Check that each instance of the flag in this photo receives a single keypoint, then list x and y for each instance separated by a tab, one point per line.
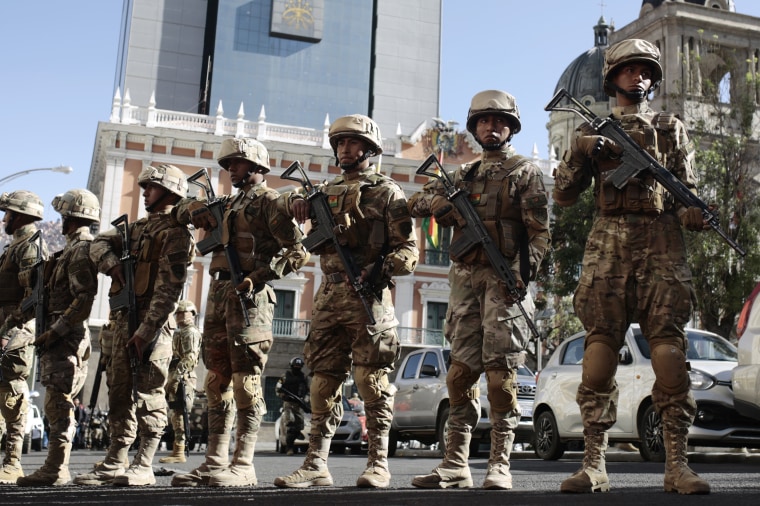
432	233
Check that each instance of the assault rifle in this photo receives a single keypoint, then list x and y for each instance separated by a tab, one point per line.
214	240
635	159
126	299
324	230
38	298
179	404
294	398
475	234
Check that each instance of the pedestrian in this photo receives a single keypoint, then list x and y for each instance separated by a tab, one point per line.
293	389
162	250
267	246
377	232
65	347
22	208
186	347
483	325
634	267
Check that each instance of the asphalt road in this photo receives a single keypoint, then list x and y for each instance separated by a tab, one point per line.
734	478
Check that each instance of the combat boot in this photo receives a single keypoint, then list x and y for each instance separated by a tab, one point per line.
54	472
498	476
240	472
678	476
11	471
140	473
376	475
313	472
217	458
454	471
592	476
177	456
111	467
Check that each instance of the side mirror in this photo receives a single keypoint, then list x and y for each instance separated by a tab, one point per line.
624	356
428	370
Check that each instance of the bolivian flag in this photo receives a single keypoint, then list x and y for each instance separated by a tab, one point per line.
432	232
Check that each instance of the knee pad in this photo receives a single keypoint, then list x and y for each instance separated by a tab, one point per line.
502	389
670	369
246	389
372	383
462	384
217	389
599	365
324	392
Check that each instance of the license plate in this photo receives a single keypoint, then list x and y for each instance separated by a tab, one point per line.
527	411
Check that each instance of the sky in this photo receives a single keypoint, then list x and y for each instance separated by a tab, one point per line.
59	61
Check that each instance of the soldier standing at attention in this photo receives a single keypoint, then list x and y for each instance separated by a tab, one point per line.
268	246
482	323
186	347
378	231
634	267
22	208
293	384
64	348
163	251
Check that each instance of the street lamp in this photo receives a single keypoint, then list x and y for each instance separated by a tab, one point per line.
64	169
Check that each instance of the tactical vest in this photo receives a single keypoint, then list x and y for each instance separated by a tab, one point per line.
11	291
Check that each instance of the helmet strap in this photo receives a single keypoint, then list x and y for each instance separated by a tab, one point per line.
348	167
636	96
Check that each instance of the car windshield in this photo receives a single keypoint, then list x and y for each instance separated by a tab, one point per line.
702	346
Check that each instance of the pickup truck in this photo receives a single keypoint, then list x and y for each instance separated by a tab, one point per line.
421	406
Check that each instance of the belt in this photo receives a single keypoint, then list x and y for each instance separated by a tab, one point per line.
335	277
224	275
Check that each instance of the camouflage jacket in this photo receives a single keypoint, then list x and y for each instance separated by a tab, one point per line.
186	347
17	274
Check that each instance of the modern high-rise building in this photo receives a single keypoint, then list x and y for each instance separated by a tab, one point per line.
299	60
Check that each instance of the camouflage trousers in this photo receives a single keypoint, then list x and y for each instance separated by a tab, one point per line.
13	410
340	336
634	270
292	414
235	355
149	413
63	370
176	417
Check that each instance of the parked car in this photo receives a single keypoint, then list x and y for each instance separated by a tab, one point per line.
35	426
350	434
557	418
746	376
421	407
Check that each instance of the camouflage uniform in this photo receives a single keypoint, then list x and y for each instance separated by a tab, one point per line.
371	209
482	325
16	281
186	345
268	246
71	283
163	251
634	270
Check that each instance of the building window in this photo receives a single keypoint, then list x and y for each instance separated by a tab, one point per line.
284	313
436	316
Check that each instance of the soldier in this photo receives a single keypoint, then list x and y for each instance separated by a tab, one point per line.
268	246
378	232
291	388
64	348
186	347
22	209
482	324
634	267
163	251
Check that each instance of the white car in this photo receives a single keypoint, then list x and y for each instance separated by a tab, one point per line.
557	418
348	435
35	426
746	377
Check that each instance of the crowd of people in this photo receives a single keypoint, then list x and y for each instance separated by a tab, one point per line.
363	232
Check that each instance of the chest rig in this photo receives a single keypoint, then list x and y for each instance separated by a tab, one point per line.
243	217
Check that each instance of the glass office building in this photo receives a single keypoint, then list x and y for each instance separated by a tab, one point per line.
299	59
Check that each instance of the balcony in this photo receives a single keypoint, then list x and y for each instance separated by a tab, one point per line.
438	257
299	329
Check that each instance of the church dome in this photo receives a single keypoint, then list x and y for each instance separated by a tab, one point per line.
583	77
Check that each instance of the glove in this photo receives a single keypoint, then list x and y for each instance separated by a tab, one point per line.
444	211
201	217
692	219
509	298
245	287
598	146
46	340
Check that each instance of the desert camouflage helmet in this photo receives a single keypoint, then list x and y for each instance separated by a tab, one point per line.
493	102
186	305
23	202
246	149
78	204
631	51
356	125
166	176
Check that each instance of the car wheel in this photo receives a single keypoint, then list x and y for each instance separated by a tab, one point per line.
37	444
392	442
652	447
27	444
443	429
548	446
